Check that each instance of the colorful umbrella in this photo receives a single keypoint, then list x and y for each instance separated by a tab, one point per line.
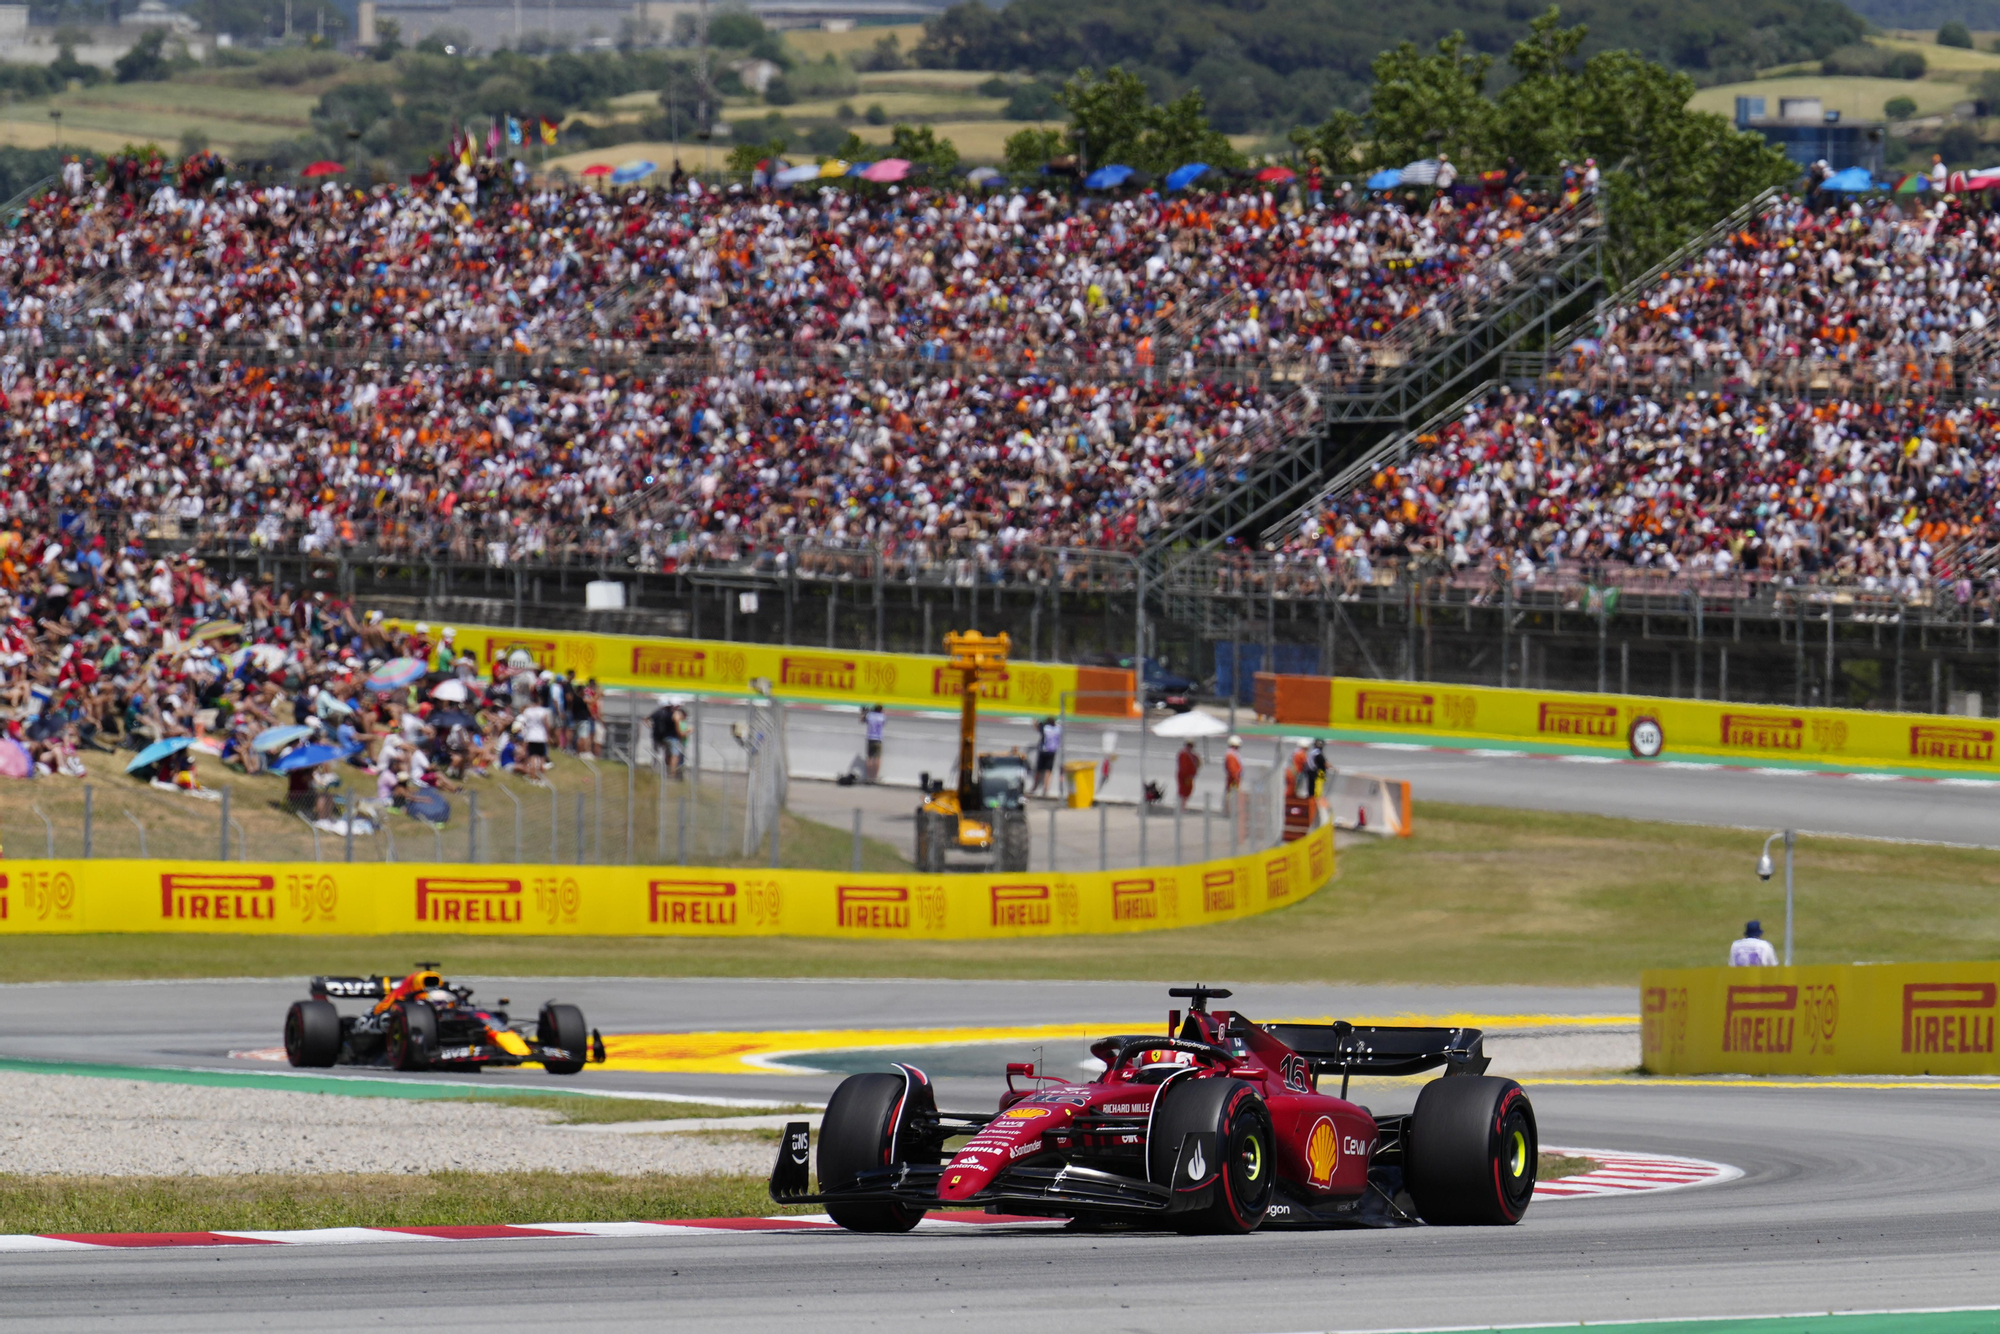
833	166
323	169
1287	174
15	762
1180	178
277	738
597	169
305	757
1107	178
1913	184
1421	172
980	175
632	171
888	169
215	630
158	751
395	674
1386	179
797	175
1852	181
453	690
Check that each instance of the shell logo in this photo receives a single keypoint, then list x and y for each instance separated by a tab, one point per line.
1322	1154
1027	1113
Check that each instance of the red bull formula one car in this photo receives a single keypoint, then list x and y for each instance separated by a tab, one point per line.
1219	1128
426	1023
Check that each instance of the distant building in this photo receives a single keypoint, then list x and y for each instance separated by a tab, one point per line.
153	14
1804	131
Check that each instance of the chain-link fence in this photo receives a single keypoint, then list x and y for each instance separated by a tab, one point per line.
743	771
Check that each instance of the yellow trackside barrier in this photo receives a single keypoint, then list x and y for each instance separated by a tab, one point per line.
905	679
375	899
1645	727
1841	1019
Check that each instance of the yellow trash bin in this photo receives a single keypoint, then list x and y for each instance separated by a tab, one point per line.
1080	781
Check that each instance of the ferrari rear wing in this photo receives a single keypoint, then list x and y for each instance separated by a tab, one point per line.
1372	1049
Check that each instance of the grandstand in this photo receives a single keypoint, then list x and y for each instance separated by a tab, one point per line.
1381	436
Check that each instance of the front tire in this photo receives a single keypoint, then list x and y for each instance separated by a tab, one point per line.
413	1035
563	1026
312	1034
1472	1151
1236	1124
858	1134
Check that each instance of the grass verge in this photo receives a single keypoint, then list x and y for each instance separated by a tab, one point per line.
1555	1165
218	1204
1480	895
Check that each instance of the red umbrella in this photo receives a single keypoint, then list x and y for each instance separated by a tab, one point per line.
1277	174
323	169
597	169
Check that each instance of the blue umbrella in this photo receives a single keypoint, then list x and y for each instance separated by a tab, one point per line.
1386	179
395	674
158	751
305	757
1107	178
632	171
1852	181
277	738
1180	178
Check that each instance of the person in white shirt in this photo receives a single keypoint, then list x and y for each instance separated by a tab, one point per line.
1753	951
533	725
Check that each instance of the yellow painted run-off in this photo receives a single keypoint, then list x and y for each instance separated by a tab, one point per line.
1841	1019
375	899
754	1052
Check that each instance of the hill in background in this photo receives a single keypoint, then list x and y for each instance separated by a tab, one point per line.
1928	14
1261	63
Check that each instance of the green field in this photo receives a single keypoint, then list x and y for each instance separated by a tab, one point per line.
1479	895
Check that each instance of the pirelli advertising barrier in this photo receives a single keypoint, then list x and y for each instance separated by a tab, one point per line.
375	899
905	679
1842	1019
1650	728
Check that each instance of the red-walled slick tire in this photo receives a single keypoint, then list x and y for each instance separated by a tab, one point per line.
855	1136
1471	1151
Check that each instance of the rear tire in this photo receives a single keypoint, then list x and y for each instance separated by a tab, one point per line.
563	1026
312	1034
1472	1151
1236	1121
857	1135
1010	832
413	1035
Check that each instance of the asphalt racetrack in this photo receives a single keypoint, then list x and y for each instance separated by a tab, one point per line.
1856	1194
1852	1198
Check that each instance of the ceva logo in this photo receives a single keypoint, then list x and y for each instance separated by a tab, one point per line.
468	901
218	898
1948	1018
691	902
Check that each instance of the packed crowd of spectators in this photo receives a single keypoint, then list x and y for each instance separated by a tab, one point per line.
1783	404
484	267
110	649
319	368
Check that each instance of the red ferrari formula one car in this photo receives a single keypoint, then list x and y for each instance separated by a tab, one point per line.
1218	1128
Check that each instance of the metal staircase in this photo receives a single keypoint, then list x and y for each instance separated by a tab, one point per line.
1434	368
